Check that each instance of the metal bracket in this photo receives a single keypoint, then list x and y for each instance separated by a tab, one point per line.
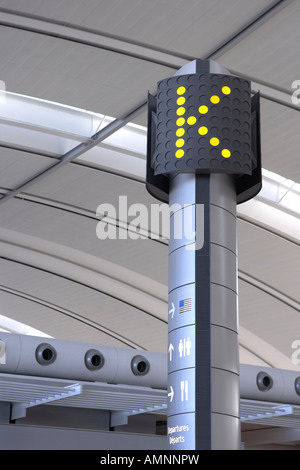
119	418
272	413
19	409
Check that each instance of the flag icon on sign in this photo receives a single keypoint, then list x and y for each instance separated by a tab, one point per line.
185	305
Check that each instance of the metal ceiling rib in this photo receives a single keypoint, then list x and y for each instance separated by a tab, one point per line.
74	315
269	290
83	35
79	34
84	276
79	311
250	28
268	55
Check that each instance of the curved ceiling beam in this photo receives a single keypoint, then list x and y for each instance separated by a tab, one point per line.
70	314
288	237
92	263
131	48
90	38
132	288
264	351
269	290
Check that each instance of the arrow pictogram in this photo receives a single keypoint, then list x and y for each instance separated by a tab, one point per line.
171	393
172	310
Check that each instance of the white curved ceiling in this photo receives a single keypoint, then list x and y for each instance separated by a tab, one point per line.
98	59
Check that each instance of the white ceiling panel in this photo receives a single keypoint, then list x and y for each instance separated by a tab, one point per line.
212	25
280	130
69	229
16	166
268	54
182	26
75	74
87	188
56	9
269	258
50	320
268	318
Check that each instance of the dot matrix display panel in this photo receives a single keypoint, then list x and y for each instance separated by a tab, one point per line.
203	123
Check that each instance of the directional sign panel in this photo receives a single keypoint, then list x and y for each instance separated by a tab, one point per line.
181	432
203	122
181	348
181	392
182	306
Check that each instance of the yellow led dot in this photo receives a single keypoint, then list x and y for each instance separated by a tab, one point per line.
226	90
214	141
180	90
191	120
180	132
203	109
226	153
180	121
181	100
203	130
180	111
215	99
179	142
179	153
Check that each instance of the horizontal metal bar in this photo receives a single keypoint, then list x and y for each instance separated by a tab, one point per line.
272	412
19	409
252	26
120	418
84	36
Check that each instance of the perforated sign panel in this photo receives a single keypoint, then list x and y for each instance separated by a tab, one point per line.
203	122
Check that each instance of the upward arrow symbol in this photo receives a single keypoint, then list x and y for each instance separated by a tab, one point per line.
171	348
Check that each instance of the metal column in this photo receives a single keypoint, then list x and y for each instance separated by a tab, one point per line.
203	372
203	158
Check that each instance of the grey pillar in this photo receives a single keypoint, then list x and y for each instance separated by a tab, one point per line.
203	158
203	371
